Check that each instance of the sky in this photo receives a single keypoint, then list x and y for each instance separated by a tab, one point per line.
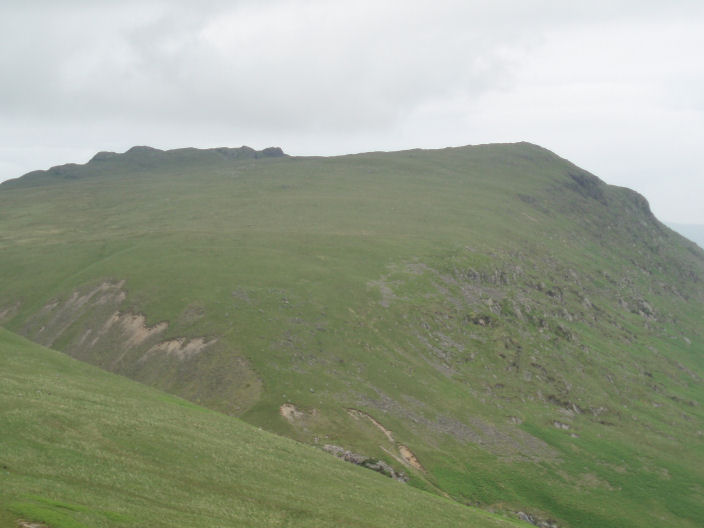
616	86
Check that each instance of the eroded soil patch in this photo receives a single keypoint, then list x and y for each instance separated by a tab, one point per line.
290	412
410	458
8	311
181	348
406	455
29	524
355	413
90	322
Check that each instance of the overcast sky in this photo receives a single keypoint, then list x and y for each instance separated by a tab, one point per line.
615	86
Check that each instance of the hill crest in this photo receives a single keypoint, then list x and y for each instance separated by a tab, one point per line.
139	158
531	334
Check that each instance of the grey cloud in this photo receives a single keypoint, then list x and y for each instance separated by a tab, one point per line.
329	77
306	65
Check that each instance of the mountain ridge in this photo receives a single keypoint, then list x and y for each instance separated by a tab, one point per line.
528	333
138	158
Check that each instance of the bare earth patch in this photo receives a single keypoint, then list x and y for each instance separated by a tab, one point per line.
94	315
410	458
290	413
182	347
28	524
407	456
133	328
301	418
355	413
6	313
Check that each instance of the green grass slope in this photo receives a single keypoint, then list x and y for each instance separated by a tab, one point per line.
495	322
80	447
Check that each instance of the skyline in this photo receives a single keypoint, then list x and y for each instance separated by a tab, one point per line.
614	87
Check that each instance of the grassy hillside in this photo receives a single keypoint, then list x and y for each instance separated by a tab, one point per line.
495	322
85	448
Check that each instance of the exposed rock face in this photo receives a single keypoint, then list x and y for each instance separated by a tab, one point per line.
272	152
365	461
527	517
94	320
141	158
94	324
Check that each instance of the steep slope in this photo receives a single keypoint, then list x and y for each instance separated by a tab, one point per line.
494	321
82	447
693	232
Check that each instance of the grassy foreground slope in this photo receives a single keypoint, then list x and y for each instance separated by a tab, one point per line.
80	447
494	321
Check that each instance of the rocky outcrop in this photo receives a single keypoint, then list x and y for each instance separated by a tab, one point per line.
140	158
536	521
367	462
